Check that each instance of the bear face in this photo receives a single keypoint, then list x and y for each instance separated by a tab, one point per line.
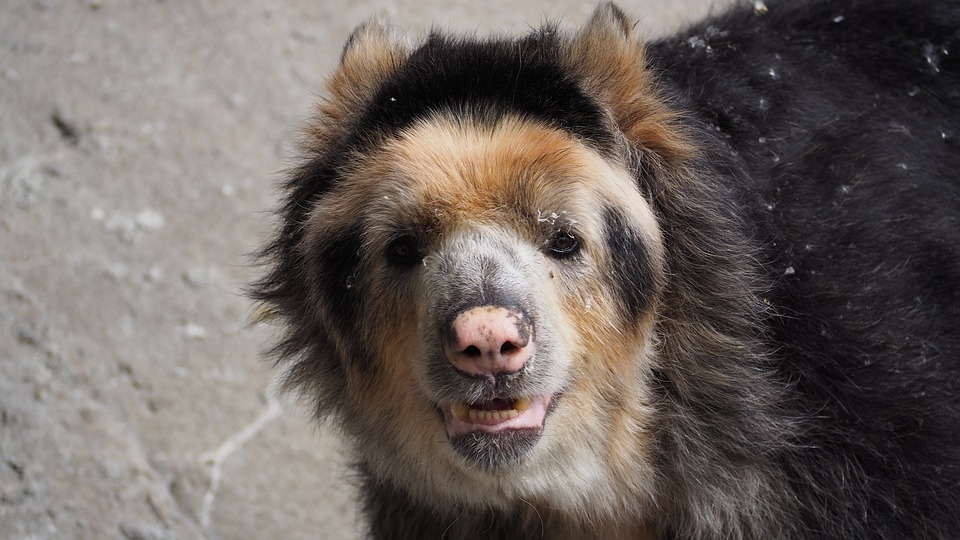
538	227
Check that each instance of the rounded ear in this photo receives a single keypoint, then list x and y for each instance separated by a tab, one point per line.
608	17
373	52
610	59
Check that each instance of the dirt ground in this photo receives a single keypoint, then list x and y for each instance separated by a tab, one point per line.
140	144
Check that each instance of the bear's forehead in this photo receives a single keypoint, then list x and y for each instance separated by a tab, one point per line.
473	166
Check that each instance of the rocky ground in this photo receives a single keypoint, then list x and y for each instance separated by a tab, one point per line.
139	145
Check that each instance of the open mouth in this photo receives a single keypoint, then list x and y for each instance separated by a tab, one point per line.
496	432
491	412
496	415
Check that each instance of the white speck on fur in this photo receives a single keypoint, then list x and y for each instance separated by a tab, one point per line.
931	56
838	18
713	31
551	218
760	8
773	74
789	271
697	42
899	128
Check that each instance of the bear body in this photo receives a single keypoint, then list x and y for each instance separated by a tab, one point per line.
579	286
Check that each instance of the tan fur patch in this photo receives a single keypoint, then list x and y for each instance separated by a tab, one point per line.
375	50
514	171
609	56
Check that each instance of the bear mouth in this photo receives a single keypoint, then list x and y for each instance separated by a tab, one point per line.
496	432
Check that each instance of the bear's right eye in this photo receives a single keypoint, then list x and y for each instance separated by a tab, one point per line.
404	251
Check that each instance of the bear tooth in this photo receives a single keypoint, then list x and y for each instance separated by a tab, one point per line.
521	404
463	411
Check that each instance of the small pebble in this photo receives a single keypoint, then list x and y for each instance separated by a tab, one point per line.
118	270
150	220
194	331
144	531
153	274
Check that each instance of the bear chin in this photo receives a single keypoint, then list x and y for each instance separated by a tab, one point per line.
496	450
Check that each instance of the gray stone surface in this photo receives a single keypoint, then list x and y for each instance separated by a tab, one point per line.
139	145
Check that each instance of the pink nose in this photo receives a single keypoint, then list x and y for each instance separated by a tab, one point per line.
489	340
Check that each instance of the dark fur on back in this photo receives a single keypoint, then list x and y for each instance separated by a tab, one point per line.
838	121
808	327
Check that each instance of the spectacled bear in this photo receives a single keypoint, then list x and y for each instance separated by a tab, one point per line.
574	285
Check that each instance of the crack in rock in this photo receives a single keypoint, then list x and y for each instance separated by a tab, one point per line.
216	458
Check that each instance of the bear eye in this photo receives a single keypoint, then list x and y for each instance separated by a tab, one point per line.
563	245
404	251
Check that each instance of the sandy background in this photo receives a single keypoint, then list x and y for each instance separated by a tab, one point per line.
140	143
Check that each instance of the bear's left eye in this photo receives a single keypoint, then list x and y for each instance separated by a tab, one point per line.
404	251
563	245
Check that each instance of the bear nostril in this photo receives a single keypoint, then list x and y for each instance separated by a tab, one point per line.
472	350
507	347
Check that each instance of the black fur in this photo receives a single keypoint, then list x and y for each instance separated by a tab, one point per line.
630	265
490	79
835	122
335	277
395	517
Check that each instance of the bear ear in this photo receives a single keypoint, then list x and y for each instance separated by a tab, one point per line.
608	18
373	52
610	59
